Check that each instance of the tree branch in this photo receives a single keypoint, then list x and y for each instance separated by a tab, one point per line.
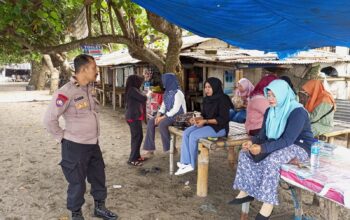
23	42
88	18
100	21
89	40
122	23
174	33
160	24
111	18
147	55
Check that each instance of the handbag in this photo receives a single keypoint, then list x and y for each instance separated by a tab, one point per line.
182	121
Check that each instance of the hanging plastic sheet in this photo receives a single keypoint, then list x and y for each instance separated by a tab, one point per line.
278	26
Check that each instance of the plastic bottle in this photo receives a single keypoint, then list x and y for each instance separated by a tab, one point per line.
315	155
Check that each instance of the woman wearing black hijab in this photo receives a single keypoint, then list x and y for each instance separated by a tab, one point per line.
213	123
135	114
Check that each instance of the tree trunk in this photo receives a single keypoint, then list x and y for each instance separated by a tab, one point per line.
34	78
38	77
54	74
61	63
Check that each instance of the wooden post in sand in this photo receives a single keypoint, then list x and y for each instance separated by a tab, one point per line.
114	93
232	157
203	167
331	210
171	158
103	87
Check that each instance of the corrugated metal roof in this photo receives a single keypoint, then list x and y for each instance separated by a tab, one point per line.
117	58
259	57
231	55
123	56
189	41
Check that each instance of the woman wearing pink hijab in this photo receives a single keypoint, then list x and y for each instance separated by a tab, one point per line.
240	100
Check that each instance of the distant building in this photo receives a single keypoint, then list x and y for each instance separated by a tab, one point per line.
17	72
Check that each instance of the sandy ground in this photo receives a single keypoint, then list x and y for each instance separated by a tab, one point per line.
32	185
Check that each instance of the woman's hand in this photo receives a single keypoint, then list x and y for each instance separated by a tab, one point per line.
246	145
255	149
295	162
200	122
158	119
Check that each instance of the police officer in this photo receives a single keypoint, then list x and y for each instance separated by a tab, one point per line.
81	155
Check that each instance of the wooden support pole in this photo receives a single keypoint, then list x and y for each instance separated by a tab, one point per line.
348	140
232	157
103	88
171	154
331	210
120	96
114	93
203	168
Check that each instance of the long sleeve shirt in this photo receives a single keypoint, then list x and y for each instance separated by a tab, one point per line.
136	101
297	131
256	109
324	125
79	108
179	101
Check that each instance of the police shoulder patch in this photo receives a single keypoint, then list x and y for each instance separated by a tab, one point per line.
61	100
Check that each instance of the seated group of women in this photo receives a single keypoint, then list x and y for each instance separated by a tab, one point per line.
282	130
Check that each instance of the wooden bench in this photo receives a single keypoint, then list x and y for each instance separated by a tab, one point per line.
330	181
236	137
341	122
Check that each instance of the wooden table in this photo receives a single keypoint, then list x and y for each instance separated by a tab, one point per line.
330	181
236	139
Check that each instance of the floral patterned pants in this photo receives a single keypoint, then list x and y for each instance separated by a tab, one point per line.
261	179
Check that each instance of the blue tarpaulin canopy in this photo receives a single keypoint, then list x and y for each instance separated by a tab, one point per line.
278	26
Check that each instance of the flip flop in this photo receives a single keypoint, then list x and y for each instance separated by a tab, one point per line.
135	163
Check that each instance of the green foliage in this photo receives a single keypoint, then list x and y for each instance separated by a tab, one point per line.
27	24
42	23
143	25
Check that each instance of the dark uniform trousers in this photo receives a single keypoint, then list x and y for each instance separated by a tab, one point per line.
81	161
136	139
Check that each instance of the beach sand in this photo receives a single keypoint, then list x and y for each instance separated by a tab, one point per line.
32	185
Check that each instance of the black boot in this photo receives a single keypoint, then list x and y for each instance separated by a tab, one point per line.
102	212
77	215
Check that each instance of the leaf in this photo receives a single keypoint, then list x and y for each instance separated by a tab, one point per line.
54	15
104	4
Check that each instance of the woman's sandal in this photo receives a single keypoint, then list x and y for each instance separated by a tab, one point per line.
135	163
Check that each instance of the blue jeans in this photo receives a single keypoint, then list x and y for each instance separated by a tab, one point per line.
238	116
189	145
